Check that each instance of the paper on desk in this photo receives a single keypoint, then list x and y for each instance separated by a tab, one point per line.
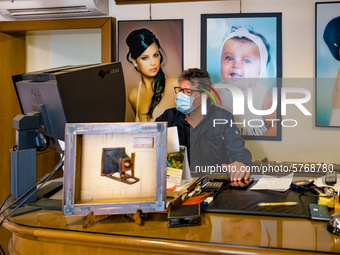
320	182
172	140
185	184
268	182
173	177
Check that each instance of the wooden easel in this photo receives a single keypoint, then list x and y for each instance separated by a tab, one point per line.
91	219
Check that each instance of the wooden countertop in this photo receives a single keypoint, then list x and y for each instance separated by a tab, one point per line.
49	232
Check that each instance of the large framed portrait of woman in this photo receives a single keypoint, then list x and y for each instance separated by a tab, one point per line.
244	51
327	64
151	53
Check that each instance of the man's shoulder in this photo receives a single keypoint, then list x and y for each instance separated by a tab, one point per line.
167	114
220	112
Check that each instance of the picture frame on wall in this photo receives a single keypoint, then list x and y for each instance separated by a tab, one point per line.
327	64
151	54
246	46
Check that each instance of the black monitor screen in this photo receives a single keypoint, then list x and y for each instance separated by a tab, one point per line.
73	94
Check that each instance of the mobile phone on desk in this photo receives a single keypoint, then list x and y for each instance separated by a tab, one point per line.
331	178
319	212
243	184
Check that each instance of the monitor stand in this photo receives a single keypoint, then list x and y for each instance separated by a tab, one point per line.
43	200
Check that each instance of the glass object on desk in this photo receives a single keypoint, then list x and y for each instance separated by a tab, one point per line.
334	224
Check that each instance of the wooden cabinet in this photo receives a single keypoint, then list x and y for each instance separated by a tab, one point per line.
13	62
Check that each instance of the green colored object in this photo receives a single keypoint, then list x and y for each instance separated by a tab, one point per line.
176	159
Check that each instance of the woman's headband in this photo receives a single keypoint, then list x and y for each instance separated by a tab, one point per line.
242	32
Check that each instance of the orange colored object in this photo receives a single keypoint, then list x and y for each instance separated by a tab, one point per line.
196	200
172	188
336	204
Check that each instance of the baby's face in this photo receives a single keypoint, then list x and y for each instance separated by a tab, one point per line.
240	59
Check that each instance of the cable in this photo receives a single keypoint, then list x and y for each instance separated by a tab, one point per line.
218	192
3	252
15	148
4	201
22	196
43	180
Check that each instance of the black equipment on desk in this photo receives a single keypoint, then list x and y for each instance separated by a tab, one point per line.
212	186
72	94
246	202
184	215
51	98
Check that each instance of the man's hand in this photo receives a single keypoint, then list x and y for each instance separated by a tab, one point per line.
237	171
242	183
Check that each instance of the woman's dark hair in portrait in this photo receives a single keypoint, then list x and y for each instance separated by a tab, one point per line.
138	41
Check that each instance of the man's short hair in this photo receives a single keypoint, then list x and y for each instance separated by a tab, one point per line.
195	73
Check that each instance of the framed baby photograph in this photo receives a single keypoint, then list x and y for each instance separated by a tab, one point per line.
151	54
243	55
327	64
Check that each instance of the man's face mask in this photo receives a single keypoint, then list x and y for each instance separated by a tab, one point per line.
184	103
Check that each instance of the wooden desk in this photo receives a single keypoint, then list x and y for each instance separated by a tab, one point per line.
49	232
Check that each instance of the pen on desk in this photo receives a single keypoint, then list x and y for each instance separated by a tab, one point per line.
277	204
204	182
199	180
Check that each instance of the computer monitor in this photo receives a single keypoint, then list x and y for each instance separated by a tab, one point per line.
72	94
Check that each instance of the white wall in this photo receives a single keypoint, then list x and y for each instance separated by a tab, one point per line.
38	54
304	143
75	47
49	49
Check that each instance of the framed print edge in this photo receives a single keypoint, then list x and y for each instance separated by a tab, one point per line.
72	181
278	62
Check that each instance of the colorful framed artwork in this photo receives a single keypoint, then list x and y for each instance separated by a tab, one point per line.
327	65
151	53
245	51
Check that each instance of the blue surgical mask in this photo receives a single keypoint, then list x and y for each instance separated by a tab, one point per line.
184	103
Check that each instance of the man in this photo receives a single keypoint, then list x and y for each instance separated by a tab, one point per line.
210	146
